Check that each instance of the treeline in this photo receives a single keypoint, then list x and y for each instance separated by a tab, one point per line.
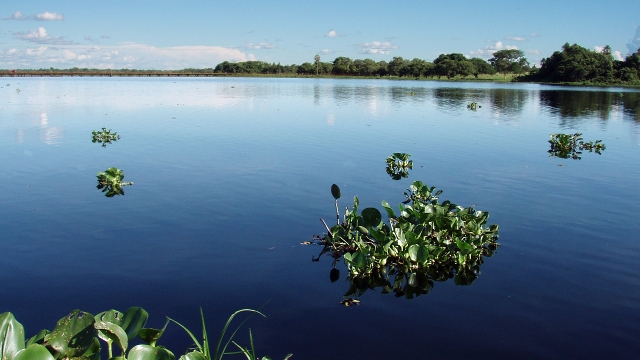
446	65
575	64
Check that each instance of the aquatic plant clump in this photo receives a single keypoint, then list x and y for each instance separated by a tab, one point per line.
104	137
110	181
473	106
78	335
427	241
398	165
567	146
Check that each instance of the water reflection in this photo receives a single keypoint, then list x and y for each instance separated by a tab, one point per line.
572	105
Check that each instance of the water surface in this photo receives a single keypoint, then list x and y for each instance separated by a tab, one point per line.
232	174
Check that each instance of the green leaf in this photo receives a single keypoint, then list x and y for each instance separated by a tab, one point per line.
371	217
413	252
73	334
194	355
33	352
134	319
357	259
335	191
150	335
38	338
390	212
111	332
147	352
11	336
112	316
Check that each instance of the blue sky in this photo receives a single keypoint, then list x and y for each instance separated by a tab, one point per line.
196	33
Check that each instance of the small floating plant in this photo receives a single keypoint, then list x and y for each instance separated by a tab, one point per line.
473	106
570	146
110	181
104	137
398	165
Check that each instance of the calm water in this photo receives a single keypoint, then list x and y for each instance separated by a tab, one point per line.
232	174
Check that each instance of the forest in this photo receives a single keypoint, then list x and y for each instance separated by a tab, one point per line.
573	64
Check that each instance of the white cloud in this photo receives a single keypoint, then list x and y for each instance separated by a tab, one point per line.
16	16
533	52
105	37
534	35
138	56
332	33
258	46
326	51
376	47
598	48
488	50
617	55
40	36
634	44
45	16
516	38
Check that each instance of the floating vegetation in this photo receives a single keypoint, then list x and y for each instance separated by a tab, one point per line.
567	146
78	335
110	181
104	137
411	93
398	165
427	241
473	106
18	90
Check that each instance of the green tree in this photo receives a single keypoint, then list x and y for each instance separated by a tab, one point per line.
317	60
482	67
509	61
342	66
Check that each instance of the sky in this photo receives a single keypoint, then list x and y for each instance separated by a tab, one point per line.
200	34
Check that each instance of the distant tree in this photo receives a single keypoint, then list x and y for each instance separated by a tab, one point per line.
418	68
482	67
576	64
398	66
509	61
452	65
317	60
342	66
308	69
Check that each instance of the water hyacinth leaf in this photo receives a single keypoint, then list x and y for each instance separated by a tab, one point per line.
335	191
390	212
112	316
93	353
33	352
371	217
134	319
11	336
111	332
150	335
194	355
363	230
147	352
38	338
73	334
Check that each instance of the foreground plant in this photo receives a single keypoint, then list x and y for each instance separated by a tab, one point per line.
567	146
110	181
78	335
398	165
104	137
427	241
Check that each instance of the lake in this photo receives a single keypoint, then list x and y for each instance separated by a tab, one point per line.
232	174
